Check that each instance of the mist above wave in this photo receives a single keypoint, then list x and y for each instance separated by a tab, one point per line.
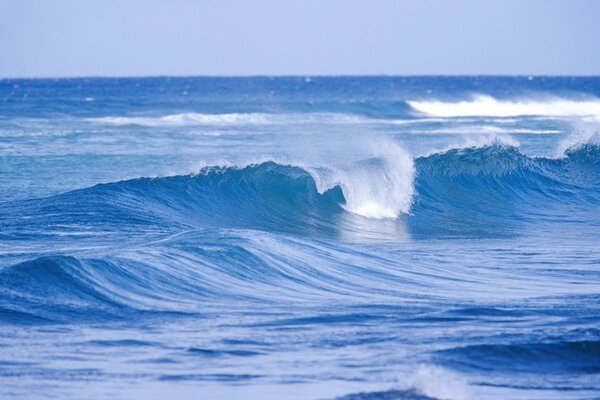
378	187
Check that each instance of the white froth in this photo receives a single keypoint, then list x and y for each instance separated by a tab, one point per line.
488	129
194	119
439	383
374	210
186	119
581	134
483	105
379	187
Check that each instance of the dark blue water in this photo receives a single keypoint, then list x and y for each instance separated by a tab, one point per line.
310	238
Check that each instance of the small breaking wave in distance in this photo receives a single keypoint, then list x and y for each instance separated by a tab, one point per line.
484	105
227	119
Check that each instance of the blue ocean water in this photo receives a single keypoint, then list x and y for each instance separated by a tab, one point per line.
300	238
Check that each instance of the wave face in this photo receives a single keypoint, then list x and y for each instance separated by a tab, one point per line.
300	238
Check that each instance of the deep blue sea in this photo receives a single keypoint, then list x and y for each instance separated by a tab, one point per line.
300	238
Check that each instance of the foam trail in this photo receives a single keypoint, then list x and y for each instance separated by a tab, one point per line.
185	119
379	187
487	129
483	105
196	119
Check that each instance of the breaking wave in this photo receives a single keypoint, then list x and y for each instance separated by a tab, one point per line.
484	105
228	119
438	191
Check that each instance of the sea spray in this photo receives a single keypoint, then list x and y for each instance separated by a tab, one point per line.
378	187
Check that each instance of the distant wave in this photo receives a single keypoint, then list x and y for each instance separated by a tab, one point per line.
483	105
192	118
487	130
429	110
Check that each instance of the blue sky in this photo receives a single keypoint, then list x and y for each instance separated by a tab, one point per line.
309	37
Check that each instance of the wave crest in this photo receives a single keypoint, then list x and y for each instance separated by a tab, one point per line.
380	187
484	105
227	119
458	190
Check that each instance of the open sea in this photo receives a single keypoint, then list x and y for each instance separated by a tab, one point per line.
352	238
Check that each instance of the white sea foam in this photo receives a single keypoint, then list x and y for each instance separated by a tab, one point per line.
483	105
379	187
198	119
434	382
487	129
185	119
439	383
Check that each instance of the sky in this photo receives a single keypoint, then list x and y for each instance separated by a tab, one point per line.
61	38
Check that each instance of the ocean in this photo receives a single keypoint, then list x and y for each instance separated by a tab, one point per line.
300	238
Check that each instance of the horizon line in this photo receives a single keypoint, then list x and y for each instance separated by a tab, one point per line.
184	76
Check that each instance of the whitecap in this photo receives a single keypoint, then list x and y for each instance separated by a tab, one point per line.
484	105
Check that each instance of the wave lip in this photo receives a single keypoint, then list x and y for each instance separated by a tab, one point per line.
484	105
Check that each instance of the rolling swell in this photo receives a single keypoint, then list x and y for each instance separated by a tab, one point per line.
195	239
455	191
566	356
189	273
470	190
266	196
46	287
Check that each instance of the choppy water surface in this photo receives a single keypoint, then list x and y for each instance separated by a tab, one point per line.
310	238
